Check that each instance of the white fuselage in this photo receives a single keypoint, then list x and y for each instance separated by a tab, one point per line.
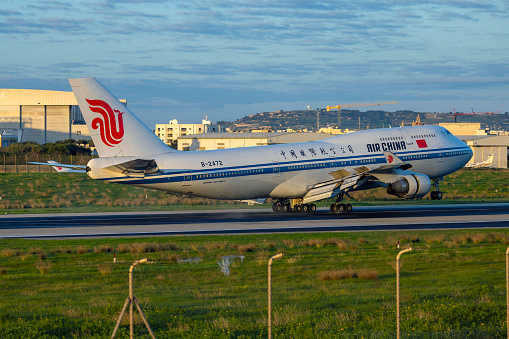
291	170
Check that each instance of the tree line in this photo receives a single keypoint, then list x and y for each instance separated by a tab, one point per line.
63	147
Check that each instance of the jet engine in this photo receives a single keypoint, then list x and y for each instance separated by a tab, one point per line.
410	186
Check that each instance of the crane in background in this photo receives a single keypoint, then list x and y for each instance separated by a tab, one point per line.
473	113
339	107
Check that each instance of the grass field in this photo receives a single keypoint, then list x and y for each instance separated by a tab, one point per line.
52	192
327	285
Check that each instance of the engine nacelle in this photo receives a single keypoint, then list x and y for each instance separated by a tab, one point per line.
410	186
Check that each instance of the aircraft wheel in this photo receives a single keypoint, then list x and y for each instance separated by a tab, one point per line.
348	208
277	207
305	208
297	208
285	208
312	208
334	208
438	195
341	208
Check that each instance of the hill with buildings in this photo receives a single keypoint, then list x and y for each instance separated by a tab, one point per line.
353	119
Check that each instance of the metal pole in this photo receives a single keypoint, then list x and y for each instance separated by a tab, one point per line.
131	300
131	306
127	301
270	292
397	291
507	286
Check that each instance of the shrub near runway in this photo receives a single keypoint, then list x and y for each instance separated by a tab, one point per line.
453	286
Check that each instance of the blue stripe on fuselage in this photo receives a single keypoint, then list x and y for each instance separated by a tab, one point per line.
169	176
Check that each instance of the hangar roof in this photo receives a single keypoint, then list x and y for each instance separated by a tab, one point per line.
36	97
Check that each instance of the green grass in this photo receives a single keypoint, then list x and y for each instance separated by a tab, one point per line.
453	286
50	193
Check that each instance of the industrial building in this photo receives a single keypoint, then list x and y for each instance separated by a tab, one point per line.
483	142
210	141
40	116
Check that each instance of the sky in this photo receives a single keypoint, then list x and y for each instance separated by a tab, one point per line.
228	59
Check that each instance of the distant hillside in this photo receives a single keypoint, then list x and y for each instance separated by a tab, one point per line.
353	119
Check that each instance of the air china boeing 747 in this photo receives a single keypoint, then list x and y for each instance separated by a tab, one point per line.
407	161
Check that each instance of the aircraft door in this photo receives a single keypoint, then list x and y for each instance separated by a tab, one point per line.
275	166
406	136
333	164
188	178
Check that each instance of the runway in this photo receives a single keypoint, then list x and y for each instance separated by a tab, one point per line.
238	221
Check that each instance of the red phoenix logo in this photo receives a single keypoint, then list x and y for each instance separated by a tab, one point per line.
110	123
390	158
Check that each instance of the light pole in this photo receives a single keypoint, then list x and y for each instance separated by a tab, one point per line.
270	292
397	291
507	286
130	301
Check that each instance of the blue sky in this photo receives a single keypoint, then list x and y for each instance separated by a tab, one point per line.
228	59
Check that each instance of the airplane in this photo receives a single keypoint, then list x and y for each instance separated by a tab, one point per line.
483	164
403	160
62	168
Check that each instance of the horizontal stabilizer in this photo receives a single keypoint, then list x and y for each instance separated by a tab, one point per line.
136	168
62	167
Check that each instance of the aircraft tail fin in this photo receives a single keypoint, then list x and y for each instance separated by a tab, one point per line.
115	130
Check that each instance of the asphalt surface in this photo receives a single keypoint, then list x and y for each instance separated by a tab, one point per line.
237	221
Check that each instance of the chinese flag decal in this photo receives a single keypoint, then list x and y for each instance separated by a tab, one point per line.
421	143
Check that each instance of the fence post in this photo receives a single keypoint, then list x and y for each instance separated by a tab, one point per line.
15	163
26	162
270	292
398	320
507	286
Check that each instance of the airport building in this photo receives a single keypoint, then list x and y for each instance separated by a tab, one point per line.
173	130
40	116
211	141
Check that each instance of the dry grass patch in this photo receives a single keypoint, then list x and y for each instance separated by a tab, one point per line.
269	244
289	243
103	248
369	273
3	271
338	274
262	257
43	266
479	238
81	249
9	252
215	245
105	269
246	248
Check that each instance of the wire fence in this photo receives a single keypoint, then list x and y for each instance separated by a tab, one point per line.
13	163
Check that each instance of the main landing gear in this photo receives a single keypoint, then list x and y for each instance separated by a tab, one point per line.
436	194
339	208
284	206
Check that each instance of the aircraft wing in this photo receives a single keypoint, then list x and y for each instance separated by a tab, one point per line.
351	178
62	168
